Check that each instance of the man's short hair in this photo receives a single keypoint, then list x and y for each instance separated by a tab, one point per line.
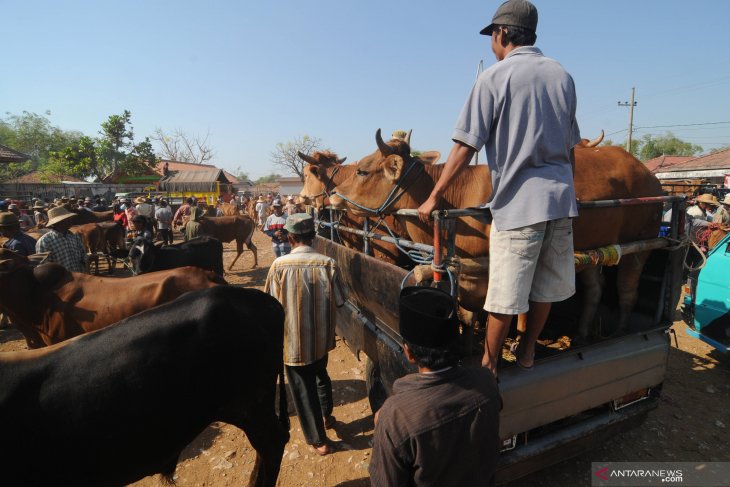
305	237
434	358
519	36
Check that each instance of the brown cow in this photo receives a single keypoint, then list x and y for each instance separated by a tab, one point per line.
601	174
48	304
228	209
227	228
104	237
321	176
88	216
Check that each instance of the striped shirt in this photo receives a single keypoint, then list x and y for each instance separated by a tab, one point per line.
66	249
308	286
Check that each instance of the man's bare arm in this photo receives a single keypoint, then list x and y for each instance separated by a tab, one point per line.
459	158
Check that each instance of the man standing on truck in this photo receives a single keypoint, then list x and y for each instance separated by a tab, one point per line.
308	286
522	109
441	426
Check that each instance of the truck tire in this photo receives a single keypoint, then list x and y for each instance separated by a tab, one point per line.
374	384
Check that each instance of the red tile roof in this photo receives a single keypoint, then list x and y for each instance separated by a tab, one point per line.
662	163
716	160
35	177
191	166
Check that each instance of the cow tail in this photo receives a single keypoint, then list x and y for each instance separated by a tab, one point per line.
283	406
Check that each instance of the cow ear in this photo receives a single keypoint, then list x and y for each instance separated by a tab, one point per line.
393	167
429	157
49	275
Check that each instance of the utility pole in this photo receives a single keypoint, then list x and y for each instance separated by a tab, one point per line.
631	106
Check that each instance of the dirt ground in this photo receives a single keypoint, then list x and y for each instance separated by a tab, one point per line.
691	423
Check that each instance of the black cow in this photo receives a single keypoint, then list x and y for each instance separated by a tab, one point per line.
205	252
116	405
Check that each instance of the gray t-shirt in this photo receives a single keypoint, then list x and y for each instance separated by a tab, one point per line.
523	110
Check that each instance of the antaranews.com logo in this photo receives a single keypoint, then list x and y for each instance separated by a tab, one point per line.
637	474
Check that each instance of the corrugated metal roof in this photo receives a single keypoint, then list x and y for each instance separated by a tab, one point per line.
193	181
190	166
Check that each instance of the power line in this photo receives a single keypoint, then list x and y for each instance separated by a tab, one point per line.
681	125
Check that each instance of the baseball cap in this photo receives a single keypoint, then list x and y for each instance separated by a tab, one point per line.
299	224
519	13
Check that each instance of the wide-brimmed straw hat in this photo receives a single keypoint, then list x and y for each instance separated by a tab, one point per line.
261	199
58	214
39	206
707	198
139	200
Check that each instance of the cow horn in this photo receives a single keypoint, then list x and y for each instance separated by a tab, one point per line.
407	139
308	159
596	141
341	160
385	149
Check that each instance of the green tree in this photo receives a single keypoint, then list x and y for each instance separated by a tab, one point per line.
668	145
114	151
79	159
271	178
35	135
720	149
241	175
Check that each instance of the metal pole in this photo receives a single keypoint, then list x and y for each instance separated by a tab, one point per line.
631	106
436	249
365	240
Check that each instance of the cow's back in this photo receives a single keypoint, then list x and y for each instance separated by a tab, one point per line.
110	407
607	173
228	228
86	303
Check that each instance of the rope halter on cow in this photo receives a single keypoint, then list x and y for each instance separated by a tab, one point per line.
399	189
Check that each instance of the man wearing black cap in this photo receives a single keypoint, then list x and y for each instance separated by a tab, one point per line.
441	426
522	110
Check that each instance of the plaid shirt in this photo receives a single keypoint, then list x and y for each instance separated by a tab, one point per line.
66	249
308	286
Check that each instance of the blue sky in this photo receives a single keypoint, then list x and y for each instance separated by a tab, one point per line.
257	73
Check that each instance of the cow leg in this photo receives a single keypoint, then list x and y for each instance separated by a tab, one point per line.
592	281
627	281
257	418
239	250
253	249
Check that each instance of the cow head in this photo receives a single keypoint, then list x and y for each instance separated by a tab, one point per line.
317	176
377	175
141	253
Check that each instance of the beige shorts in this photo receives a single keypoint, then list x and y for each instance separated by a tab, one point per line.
532	263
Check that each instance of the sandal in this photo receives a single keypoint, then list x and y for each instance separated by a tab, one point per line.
515	350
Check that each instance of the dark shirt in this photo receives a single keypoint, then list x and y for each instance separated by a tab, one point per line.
438	430
21	243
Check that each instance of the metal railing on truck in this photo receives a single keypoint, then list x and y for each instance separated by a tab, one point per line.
432	254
